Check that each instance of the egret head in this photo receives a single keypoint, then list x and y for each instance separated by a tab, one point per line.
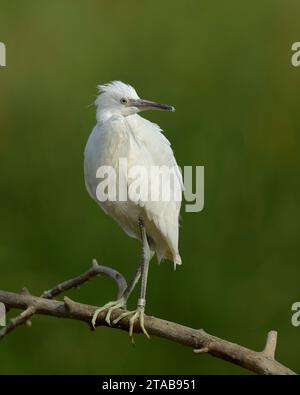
121	99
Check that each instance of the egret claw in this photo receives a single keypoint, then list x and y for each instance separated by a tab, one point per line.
110	306
136	314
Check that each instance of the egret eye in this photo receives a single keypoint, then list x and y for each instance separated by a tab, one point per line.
124	100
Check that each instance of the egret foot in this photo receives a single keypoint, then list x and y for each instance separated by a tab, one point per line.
139	314
110	307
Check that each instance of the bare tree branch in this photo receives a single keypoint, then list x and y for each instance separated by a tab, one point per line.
259	362
95	270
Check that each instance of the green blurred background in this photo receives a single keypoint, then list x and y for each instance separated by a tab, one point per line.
226	68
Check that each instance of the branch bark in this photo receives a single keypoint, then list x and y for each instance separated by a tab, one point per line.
262	362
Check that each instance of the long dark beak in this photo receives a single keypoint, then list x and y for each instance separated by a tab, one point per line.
150	105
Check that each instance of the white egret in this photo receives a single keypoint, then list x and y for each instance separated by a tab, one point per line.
121	133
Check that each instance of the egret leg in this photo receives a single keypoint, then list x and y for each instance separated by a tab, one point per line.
120	303
139	313
133	282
